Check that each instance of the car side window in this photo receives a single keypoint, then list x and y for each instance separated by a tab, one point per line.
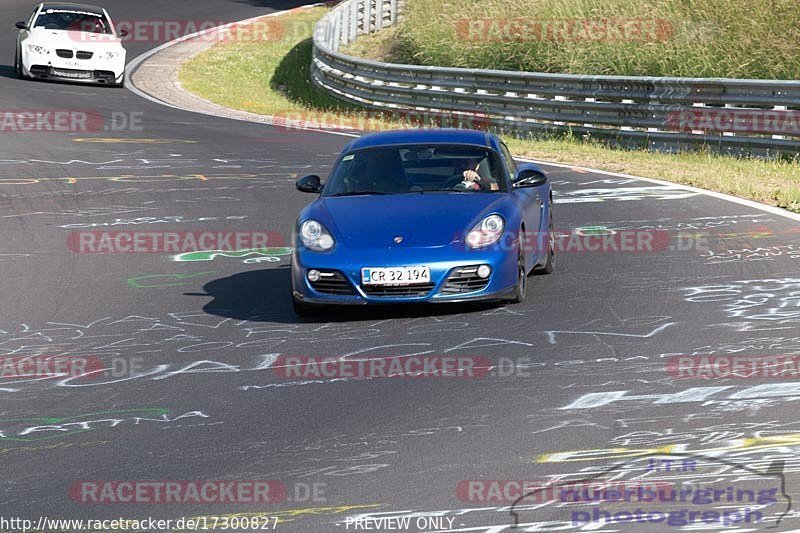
509	161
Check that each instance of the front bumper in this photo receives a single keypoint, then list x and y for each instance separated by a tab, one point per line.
450	268
97	71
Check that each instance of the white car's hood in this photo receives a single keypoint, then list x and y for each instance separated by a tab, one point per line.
78	40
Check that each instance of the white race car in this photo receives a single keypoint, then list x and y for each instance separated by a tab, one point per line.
72	42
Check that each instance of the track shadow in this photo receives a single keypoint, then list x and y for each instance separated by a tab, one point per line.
292	78
7	71
264	296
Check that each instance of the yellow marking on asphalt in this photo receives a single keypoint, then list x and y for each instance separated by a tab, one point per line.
109	140
20	181
740	444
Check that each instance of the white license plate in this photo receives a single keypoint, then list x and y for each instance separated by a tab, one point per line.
72	74
395	275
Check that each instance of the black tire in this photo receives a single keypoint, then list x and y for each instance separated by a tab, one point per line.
521	290
303	309
550	263
18	64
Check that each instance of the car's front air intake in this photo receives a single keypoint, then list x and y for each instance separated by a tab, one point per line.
464	279
332	282
422	289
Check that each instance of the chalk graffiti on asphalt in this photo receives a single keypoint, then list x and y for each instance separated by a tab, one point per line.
753	305
268	255
152	281
47	428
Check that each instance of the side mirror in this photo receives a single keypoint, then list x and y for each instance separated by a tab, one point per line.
22	25
529	175
310	183
123	33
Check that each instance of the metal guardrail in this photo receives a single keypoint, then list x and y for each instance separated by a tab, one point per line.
726	115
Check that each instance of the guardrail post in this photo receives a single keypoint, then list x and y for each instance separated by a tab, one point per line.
353	21
367	29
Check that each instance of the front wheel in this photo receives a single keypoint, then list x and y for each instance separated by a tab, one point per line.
521	289
550	262
303	309
18	64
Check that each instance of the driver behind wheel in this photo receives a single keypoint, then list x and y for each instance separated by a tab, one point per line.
475	178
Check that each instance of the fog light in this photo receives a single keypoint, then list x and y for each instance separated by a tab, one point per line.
484	271
313	275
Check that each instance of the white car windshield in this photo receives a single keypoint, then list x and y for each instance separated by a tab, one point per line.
53	19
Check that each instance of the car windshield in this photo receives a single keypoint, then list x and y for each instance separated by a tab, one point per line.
417	169
57	19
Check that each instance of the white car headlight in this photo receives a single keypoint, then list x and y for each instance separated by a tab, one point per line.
37	49
111	54
487	231
315	236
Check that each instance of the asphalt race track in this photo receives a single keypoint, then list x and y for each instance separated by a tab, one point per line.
582	365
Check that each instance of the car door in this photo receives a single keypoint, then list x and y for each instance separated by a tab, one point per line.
529	198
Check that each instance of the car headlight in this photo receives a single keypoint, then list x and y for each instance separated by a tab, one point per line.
37	49
315	236
487	231
111	54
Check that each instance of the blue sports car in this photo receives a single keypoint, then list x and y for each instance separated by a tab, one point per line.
422	216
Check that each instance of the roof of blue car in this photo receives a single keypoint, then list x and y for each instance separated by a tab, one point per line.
421	136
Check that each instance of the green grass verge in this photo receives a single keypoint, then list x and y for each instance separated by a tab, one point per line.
693	38
272	77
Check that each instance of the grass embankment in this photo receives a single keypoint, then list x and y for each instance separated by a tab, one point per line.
692	38
272	77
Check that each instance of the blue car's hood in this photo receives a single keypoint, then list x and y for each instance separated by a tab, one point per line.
432	219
